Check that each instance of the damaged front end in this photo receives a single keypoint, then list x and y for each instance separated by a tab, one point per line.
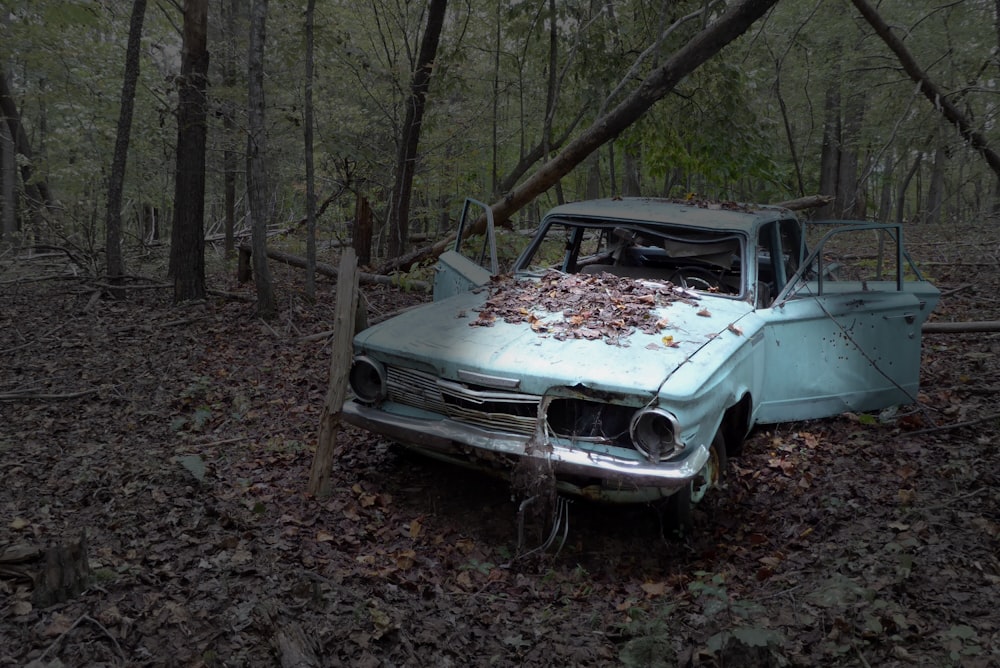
597	445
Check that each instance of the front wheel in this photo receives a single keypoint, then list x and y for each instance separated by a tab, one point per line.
677	511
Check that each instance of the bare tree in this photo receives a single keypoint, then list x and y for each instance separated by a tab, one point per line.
256	152
187	239
399	207
113	226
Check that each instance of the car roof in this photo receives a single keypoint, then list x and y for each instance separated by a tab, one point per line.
694	213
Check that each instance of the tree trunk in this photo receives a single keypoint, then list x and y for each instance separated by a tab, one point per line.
951	113
8	184
901	193
789	136
399	208
116	181
935	192
829	161
361	234
631	172
256	153
35	189
310	169
885	196
230	157
850	199
187	239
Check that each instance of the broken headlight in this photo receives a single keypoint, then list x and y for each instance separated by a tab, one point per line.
367	379
655	433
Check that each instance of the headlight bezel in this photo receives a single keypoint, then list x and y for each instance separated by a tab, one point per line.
372	387
655	433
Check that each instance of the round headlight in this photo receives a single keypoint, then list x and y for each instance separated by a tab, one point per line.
654	434
367	379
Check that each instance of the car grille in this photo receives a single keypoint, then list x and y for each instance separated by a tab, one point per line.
504	411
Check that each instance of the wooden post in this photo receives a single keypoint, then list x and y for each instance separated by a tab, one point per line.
340	367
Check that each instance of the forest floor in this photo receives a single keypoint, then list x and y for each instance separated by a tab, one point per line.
179	439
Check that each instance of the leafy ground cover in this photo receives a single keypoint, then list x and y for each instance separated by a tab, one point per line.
179	439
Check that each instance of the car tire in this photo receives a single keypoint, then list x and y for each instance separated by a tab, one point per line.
678	509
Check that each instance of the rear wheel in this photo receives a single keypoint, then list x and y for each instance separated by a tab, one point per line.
677	512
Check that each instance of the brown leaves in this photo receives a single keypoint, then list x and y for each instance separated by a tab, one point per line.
591	306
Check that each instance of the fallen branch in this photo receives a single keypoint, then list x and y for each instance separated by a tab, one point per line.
29	396
153	286
956	425
949	293
808	202
47	277
961	327
330	270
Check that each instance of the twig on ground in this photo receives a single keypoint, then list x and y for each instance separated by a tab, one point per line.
79	620
956	425
39	396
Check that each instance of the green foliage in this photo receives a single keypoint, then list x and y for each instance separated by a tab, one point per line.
743	126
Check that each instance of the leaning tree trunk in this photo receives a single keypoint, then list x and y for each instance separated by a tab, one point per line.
940	101
187	240
116	181
256	174
399	212
654	87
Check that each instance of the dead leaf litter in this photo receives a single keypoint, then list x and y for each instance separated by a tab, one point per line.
591	306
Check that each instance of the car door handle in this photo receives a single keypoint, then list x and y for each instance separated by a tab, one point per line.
908	317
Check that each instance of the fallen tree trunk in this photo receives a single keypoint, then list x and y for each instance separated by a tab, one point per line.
325	269
808	202
961	327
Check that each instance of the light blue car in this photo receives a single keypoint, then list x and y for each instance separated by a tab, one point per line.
635	343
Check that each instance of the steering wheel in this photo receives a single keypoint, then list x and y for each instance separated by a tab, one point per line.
697	278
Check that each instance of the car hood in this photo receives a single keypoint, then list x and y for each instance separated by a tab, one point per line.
438	338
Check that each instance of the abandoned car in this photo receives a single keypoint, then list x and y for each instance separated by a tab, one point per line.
635	342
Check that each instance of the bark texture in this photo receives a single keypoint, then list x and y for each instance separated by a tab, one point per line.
187	240
399	214
256	171
116	182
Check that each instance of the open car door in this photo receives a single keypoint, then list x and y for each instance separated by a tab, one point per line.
844	334
469	264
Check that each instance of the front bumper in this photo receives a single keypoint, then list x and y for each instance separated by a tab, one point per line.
452	439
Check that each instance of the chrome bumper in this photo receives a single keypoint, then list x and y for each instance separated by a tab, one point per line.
448	437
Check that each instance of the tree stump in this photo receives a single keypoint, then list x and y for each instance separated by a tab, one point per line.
58	572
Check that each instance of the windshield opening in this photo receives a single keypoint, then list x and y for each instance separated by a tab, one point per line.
698	259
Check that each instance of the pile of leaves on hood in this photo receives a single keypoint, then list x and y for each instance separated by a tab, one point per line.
592	306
